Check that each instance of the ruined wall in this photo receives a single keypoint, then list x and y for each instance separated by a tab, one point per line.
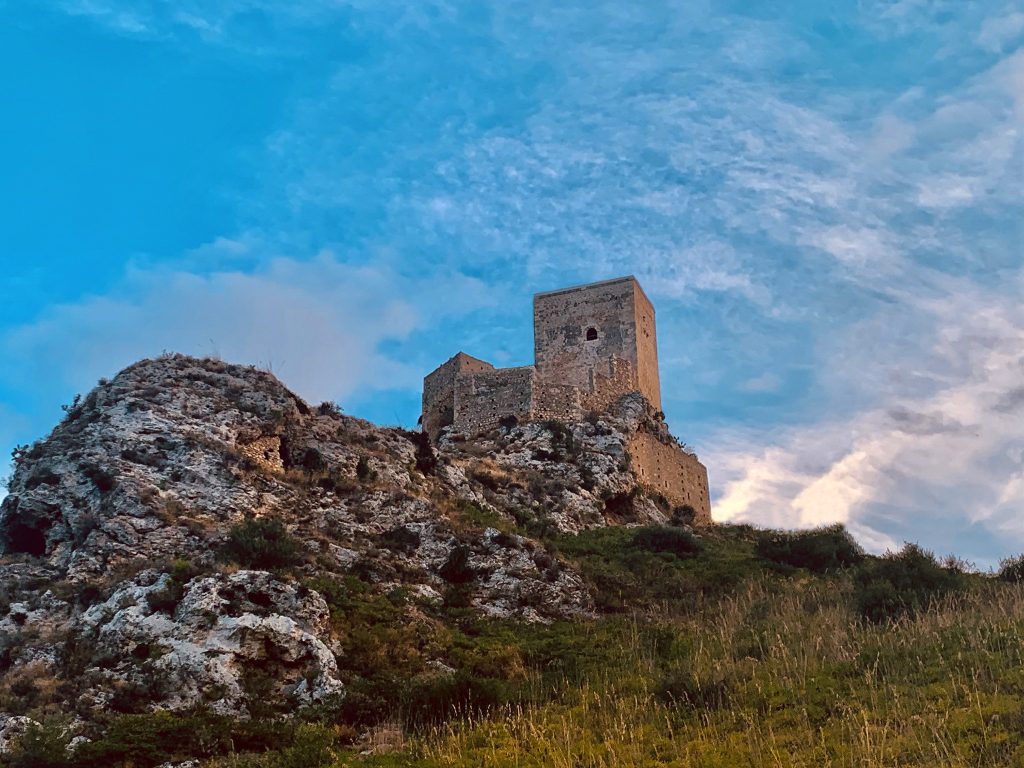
670	471
483	399
561	322
556	401
647	347
264	452
439	391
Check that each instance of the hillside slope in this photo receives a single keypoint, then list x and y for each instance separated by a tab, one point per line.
198	567
163	542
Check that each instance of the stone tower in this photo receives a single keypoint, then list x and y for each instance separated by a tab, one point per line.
580	332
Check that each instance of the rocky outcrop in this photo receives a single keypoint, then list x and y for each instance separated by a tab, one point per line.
117	583
202	648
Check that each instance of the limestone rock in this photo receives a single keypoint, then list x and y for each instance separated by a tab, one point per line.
13	728
204	649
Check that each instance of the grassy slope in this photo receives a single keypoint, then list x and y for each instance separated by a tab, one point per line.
738	661
722	657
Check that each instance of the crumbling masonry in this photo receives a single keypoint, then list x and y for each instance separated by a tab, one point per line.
592	345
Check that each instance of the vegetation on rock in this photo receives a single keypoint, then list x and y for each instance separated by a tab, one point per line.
261	584
710	654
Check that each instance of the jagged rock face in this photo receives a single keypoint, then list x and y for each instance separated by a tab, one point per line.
157	465
569	477
200	651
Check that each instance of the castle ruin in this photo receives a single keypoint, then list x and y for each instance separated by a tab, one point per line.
592	344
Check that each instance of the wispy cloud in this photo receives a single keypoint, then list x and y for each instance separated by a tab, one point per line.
824	202
319	324
938	455
252	26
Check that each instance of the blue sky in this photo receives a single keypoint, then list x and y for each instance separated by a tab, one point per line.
822	199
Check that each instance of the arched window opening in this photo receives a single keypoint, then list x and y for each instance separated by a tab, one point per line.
591	334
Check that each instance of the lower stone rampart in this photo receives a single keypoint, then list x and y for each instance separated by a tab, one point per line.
485	400
667	469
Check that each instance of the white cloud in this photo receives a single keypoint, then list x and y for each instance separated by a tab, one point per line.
942	456
854	247
766	382
319	325
112	14
997	32
249	26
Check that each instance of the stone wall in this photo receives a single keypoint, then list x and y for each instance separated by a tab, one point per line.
439	391
648	380
608	383
667	469
482	400
556	401
264	452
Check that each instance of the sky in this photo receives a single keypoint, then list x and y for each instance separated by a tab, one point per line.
823	200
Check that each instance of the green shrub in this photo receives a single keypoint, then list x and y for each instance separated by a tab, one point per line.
312	461
818	550
363	471
562	440
902	583
400	539
486	479
481	518
1012	569
328	408
101	477
437	699
336	483
680	686
624	575
457	569
426	458
684	515
147	740
41	746
673	540
313	747
262	543
166	600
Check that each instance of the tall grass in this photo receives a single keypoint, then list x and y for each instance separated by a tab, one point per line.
776	676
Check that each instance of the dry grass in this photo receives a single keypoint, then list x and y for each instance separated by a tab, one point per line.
769	678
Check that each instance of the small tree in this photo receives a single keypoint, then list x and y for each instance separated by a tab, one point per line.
262	543
457	569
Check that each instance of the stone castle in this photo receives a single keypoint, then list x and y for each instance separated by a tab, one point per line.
592	344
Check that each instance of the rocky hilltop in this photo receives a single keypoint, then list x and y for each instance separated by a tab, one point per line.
181	528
